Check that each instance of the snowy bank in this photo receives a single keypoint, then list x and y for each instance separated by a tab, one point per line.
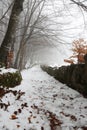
40	101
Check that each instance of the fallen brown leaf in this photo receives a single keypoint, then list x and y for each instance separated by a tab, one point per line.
13	117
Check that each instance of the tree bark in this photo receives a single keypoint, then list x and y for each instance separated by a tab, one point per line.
8	43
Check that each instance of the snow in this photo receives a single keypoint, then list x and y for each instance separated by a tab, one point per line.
43	96
3	70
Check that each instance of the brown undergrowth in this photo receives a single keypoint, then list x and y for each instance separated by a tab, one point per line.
79	48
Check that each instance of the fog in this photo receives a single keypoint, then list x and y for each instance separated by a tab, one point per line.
73	27
68	22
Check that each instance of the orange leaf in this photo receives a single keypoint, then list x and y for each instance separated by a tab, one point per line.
69	61
13	117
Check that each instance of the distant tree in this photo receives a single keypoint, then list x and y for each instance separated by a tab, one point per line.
36	27
28	23
31	26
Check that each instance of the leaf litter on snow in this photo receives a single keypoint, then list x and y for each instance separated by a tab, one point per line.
42	103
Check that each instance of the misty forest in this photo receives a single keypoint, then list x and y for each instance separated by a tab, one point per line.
43	65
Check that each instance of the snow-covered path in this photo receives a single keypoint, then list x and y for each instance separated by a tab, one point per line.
46	105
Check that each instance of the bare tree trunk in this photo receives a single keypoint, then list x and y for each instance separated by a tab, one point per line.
21	61
9	36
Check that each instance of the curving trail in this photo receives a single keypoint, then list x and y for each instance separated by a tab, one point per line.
42	103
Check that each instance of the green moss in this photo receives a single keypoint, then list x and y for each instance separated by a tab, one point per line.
10	80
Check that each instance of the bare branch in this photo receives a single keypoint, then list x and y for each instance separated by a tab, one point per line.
80	4
6	11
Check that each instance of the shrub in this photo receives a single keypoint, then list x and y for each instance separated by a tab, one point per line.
10	80
2	65
79	50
